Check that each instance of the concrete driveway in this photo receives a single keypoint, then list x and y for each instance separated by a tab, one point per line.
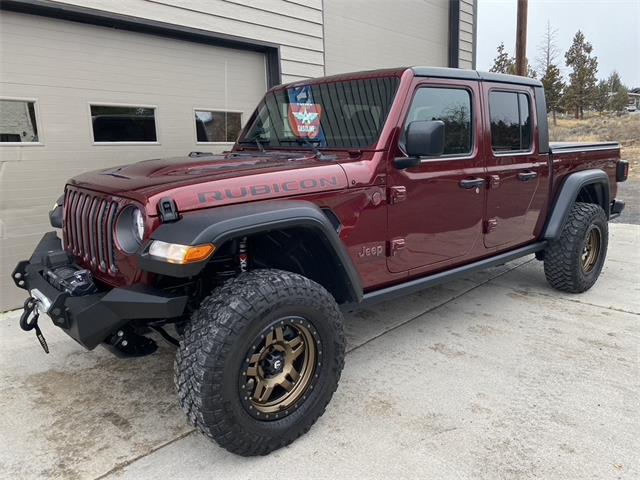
493	376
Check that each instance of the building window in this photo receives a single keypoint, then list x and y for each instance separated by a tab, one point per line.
112	124
511	128
18	123
453	107
217	126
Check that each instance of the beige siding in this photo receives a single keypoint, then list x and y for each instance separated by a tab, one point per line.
67	65
366	34
295	25
466	33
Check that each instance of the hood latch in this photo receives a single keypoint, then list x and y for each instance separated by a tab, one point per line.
168	210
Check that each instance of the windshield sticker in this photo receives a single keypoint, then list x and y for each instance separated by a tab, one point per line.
305	119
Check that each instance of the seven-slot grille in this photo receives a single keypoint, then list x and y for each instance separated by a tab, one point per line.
88	228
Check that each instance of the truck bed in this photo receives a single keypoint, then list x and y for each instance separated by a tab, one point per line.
568	147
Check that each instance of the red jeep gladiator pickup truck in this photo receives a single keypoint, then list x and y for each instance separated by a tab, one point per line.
340	191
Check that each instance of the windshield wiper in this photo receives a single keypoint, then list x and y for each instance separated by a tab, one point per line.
316	151
255	140
259	144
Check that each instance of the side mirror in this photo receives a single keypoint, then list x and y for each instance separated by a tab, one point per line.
425	138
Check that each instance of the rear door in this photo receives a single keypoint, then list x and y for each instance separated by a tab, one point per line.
435	211
515	169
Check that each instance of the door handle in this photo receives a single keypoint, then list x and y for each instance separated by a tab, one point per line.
526	176
470	183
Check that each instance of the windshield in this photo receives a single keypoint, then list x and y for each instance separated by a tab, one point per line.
348	114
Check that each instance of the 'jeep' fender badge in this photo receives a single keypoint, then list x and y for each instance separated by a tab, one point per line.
305	119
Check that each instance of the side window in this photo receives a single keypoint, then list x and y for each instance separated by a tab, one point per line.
18	123
453	107
511	128
217	126
113	123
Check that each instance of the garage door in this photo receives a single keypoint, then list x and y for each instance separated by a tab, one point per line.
76	97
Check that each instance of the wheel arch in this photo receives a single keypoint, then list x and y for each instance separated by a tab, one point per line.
323	259
588	186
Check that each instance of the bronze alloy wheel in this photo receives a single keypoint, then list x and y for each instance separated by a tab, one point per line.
591	249
280	368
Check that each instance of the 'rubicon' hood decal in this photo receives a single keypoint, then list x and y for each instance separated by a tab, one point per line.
264	186
262	189
217	179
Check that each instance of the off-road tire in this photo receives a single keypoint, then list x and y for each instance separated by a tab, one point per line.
563	258
214	346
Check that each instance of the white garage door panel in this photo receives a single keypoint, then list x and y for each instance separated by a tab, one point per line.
67	65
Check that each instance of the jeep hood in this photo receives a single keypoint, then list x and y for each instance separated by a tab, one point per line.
216	179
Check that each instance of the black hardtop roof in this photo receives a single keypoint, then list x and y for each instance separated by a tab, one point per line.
436	72
441	72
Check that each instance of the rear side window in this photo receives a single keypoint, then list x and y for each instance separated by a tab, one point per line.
123	123
511	128
453	107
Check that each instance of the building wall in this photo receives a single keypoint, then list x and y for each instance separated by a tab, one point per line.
296	25
365	34
322	37
467	34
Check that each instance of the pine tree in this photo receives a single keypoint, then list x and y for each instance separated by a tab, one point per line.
582	80
601	100
619	94
503	63
553	87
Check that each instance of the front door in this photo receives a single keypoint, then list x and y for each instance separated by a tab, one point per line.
435	209
515	170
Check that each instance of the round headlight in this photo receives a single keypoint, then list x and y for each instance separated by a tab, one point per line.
130	229
138	224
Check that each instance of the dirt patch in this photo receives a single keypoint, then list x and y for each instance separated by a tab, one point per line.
624	129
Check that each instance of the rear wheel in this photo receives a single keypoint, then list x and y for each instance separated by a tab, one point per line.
573	262
260	360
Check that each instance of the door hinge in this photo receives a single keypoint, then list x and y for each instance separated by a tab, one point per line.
490	225
395	245
397	194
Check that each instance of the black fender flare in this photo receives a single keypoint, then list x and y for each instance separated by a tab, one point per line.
220	224
569	193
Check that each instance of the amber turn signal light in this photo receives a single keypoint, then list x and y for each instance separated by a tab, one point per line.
182	254
198	253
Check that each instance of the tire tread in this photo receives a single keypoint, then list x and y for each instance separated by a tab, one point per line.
210	335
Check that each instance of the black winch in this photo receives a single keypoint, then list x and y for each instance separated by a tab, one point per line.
62	275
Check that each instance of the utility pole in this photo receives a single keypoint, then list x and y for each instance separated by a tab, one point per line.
521	39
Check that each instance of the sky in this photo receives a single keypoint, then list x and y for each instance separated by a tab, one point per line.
611	26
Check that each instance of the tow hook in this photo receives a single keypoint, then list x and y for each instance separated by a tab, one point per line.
29	321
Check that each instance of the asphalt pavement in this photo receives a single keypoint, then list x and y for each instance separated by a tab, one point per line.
629	192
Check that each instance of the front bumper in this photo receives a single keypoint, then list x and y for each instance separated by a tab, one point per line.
90	319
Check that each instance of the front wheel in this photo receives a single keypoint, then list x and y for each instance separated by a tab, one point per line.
573	262
260	360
